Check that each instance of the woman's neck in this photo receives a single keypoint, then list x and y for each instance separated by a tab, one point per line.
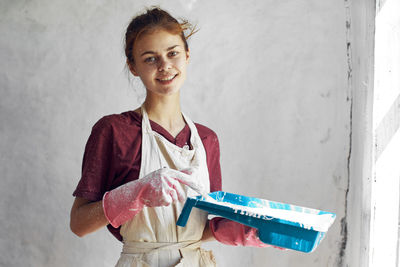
166	111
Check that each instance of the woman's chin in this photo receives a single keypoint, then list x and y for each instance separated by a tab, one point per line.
166	91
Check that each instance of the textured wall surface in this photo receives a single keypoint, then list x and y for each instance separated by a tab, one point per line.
270	77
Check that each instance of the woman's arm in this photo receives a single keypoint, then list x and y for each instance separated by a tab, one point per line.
86	216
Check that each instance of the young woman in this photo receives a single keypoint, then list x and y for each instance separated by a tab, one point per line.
139	166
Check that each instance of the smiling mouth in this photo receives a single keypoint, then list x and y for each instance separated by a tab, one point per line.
167	79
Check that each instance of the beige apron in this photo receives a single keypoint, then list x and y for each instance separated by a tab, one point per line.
152	237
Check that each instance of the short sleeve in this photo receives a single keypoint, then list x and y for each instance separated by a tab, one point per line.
97	165
213	161
211	145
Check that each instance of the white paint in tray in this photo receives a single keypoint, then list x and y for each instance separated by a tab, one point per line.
308	218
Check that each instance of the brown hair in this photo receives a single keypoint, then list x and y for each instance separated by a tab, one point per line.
153	19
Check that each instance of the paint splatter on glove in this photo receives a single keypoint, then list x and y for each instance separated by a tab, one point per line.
159	188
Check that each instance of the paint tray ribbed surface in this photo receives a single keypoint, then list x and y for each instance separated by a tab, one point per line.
279	224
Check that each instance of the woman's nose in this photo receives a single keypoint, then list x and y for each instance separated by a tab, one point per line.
164	64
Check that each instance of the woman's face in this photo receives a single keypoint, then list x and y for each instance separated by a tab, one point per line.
160	62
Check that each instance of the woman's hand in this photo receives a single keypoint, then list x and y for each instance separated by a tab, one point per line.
235	234
86	216
159	188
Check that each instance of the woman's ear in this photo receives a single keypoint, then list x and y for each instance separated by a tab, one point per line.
187	55
132	68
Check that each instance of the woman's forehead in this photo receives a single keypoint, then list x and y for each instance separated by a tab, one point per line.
159	40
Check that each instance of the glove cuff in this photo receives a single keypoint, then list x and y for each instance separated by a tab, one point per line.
117	210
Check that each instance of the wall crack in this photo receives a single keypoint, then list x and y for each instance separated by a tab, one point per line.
343	221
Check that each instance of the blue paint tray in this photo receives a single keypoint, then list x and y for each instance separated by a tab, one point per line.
279	224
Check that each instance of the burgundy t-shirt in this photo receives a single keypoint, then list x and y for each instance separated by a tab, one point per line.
113	155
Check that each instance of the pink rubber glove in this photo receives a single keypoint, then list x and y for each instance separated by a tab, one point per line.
158	188
235	234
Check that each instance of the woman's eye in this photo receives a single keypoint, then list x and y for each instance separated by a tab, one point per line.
173	53
150	60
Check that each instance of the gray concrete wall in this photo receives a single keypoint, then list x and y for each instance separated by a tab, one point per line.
270	77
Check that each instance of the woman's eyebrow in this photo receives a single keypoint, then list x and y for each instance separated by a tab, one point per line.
151	52
172	47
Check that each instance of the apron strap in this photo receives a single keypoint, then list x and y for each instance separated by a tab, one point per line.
145	120
152	247
149	140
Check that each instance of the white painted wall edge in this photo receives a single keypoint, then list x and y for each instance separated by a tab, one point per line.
356	226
